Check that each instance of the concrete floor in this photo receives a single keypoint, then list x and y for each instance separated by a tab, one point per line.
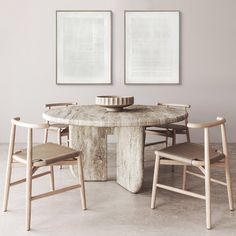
114	211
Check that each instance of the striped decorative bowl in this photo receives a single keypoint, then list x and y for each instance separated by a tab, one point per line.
114	103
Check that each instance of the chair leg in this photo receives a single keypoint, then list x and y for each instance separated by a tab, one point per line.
7	183
173	143
185	167
208	197
188	135
166	141
82	189
172	168
28	196
59	140
155	179
52	178
229	185
184	177
46	136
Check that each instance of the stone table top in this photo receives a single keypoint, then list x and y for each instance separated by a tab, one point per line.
135	115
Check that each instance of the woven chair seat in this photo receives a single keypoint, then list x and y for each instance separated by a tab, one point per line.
189	153
46	154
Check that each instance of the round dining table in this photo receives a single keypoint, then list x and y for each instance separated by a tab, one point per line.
89	126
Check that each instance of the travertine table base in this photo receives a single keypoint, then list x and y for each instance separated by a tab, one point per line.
92	141
129	154
89	127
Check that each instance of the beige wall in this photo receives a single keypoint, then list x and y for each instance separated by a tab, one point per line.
208	59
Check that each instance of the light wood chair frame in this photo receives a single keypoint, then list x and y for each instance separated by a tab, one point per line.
30	171
203	166
169	132
59	132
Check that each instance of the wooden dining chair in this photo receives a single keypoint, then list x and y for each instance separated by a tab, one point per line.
34	157
62	130
201	156
170	130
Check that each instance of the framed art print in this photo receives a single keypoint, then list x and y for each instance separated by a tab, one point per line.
83	52
152	47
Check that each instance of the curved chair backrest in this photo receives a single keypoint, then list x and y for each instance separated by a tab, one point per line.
220	121
181	106
62	104
57	105
16	122
184	107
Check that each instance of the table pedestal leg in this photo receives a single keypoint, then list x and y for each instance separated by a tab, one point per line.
130	157
92	141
